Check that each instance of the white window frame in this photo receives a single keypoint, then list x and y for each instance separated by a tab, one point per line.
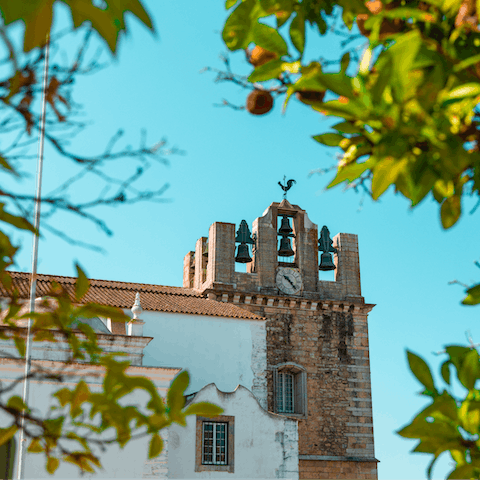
214	449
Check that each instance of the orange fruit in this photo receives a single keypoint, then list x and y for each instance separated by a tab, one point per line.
259	56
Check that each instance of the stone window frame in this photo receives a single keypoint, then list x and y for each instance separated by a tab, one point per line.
230	466
300	388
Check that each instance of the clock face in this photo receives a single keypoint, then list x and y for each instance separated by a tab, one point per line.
289	280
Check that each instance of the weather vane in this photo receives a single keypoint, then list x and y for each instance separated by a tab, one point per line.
286	186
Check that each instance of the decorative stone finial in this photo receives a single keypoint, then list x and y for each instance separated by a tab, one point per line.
137	308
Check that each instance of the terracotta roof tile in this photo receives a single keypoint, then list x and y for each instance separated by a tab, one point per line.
156	298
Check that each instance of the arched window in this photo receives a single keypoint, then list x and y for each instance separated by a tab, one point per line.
290	389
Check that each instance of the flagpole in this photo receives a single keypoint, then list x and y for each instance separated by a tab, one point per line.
33	281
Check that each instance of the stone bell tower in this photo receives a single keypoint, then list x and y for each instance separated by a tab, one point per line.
317	332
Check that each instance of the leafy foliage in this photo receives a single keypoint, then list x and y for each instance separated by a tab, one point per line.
449	424
410	117
81	417
37	16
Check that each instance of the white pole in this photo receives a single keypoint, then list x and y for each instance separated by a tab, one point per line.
33	282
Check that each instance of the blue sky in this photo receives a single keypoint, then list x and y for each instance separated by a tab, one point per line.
229	172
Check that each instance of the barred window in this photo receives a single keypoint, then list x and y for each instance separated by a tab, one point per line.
214	443
285	398
289	381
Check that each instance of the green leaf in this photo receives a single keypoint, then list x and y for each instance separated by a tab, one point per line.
230	3
17	222
16	403
175	398
35	446
204	409
267	71
52	464
469	415
53	426
470	370
156	446
344	63
37	27
329	139
420	369
297	32
457	353
385	173
473	297
436	430
385	73
268	38
466	63
82	284
403	54
20	344
353	110
450	211
347	127
80	395
464	471
7	433
338	83
445	371
94	310
466	90
236	31
350	172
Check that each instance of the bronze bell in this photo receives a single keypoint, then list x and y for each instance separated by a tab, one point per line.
326	262
243	256
285	228
285	249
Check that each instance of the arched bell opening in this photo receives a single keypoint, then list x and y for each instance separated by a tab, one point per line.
286	242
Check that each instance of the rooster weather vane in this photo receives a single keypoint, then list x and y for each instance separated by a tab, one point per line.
286	186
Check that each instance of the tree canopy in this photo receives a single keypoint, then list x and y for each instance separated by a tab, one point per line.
408	117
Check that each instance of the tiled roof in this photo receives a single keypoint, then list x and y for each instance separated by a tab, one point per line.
156	298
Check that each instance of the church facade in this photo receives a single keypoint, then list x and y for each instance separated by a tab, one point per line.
283	352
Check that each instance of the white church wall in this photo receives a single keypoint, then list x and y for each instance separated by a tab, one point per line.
224	351
265	444
129	462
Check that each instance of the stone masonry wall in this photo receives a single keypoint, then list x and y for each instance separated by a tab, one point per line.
332	344
330	469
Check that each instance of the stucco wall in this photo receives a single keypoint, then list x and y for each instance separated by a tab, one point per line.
266	445
130	462
224	351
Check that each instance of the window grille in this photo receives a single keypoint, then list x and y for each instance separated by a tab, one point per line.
214	443
290	393
285	393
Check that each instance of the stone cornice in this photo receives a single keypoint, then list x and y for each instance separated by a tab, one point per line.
289	302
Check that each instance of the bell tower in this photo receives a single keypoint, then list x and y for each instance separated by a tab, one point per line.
317	333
